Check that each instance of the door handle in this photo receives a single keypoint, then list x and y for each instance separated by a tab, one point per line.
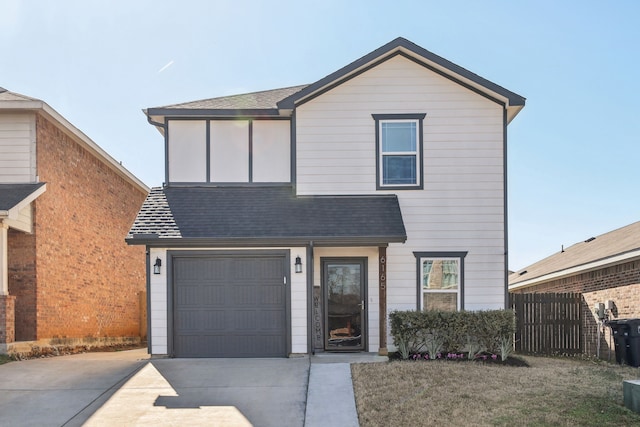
361	305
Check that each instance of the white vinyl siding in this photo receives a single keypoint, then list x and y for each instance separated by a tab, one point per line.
187	151
271	151
461	207
17	148
229	151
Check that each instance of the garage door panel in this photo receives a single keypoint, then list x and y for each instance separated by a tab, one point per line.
229	307
271	295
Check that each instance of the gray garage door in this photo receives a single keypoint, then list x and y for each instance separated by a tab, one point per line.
229	306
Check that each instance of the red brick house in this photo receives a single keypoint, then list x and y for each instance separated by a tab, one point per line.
67	277
602	268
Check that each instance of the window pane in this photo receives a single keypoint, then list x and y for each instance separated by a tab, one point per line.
398	136
440	274
399	169
441	301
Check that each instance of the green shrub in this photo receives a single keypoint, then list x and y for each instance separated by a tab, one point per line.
470	331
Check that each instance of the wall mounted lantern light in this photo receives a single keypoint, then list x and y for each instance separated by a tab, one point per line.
298	265
157	265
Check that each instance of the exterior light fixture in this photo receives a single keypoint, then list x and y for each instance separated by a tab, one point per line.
298	265
157	265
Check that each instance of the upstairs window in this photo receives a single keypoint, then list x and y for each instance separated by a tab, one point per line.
399	149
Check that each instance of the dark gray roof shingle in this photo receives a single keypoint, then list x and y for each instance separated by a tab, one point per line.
12	194
268	214
154	218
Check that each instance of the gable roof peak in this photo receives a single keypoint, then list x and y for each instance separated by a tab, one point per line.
512	101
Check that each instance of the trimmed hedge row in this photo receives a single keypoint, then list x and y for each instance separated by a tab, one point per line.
471	332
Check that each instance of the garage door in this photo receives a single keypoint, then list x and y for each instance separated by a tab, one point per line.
229	306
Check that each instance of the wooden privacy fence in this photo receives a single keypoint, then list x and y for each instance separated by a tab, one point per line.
548	323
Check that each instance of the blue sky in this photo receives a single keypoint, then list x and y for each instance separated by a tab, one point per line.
574	151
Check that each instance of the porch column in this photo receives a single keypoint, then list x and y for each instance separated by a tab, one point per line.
382	297
4	259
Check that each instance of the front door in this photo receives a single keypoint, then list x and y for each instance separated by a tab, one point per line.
344	285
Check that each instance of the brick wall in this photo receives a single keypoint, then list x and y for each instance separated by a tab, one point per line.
22	282
88	278
618	283
7	326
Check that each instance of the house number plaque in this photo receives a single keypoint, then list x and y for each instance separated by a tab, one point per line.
382	280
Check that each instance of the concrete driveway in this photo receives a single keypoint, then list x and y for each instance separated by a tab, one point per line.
126	388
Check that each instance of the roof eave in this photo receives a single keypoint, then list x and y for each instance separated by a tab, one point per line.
209	112
153	240
577	269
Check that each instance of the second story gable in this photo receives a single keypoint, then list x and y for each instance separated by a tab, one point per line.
391	120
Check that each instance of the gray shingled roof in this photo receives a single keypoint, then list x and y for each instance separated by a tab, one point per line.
12	194
155	218
267	99
616	242
264	215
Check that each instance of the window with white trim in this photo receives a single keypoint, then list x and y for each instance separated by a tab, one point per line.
399	148
440	280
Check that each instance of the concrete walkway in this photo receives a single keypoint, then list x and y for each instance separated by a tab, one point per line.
330	398
128	389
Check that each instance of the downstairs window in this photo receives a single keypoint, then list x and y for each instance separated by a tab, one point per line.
440	280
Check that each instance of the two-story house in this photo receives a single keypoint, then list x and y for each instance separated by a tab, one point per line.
294	220
67	278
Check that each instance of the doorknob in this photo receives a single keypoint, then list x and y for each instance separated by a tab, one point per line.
361	305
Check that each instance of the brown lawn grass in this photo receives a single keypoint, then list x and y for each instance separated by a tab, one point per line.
551	391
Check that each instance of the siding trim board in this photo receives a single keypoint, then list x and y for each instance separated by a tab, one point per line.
208	149
223	114
505	199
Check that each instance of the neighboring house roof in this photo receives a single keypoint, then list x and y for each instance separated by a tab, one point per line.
280	102
596	252
12	101
15	196
264	215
